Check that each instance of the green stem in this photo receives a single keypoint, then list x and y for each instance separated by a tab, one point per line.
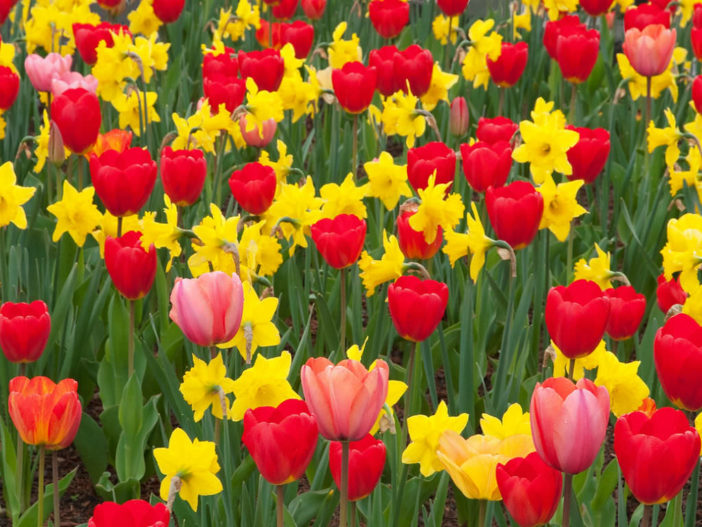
573	102
280	491
218	168
119	226
3	266
20	473
130	342
648	102
646	521
481	513
447	50
353	514
40	490
55	479
343	504
569	257
567	491
571	369
501	102
354	156
342	318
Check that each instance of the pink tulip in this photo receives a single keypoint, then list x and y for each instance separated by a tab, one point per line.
568	422
258	138
42	70
649	51
208	309
345	399
67	80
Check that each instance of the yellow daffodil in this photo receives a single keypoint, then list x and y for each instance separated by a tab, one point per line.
560	206
131	110
163	235
623	4
152	55
483	45
282	166
521	21
556	7
143	19
626	389
698	426
682	252
474	242
7	56
436	209
690	177
440	27
400	116
424	432
440	84
668	137
596	269
108	227
298	96
205	385
386	180
342	51
76	213
114	66
259	252
12	197
261	105
686	9
514	422
295	209
346	198
561	363
637	83
693	305
456	246
389	267
246	15
215	234
193	462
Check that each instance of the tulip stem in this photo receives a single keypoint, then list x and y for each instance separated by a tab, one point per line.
40	490
648	102
646	521
571	370
280	490
354	153
447	49
343	504
567	491
119	226
353	514
55	479
130	342
19	473
481	513
342	301
501	102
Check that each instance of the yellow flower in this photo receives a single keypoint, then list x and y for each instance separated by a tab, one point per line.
261	105
695	127
234	27
113	66
686	9
282	166
193	462
556	7
7	56
560	206
561	363
163	235
387	180
546	142
257	327
637	83
440	28
681	251
690	176
346	198
626	389
623	4
456	245
389	267
440	84
215	233
42	141
400	116
668	137
698	426
596	269
193	132
514	422
131	109
12	197
152	55
298	96
143	19
521	21
474	241
484	44
259	252
264	384
343	51
108	227
436	209
202	385
693	305
424	432
76	213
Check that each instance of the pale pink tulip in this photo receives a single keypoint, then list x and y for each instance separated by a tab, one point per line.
568	422
258	137
208	309
344	399
68	80
42	70
649	51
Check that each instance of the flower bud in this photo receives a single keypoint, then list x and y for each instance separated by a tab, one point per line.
458	118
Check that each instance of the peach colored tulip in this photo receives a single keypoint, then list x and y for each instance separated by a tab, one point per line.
258	138
346	398
67	80
41	70
208	309
649	51
568	422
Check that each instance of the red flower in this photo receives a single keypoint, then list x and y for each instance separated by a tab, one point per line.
576	317
281	440
576	53
677	352
554	28
224	90
366	462
116	139
596	7
9	87
458	117
589	155
314	9
486	165
253	187
422	161
388	17
656	453
131	268
452	7
132	513
626	311
76	112
416	306
168	11
383	60
123	180
183	175
339	240
265	67
354	85
414	66
509	66
24	330
515	212
669	293
88	36
223	65
284	9
696	41
531	490
5	8
412	243
300	34
496	129
645	15
697	16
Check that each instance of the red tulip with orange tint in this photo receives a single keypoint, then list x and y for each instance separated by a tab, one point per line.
412	243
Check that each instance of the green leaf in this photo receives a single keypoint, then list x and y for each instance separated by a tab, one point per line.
29	518
130	412
91	444
606	484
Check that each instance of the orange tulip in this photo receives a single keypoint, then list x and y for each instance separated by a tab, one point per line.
649	51
45	414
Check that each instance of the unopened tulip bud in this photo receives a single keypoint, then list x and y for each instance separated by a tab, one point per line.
57	152
458	120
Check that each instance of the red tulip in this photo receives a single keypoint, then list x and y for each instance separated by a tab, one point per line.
649	51
300	34
5	8
531	490
645	15
422	161
412	243
314	9
414	66
677	352
452	7
118	140
509	66
284	9
123	181
224	64
568	422
224	90
389	17
697	16
281	440
339	240
589	155
253	187
131	268
596	7
496	129
265	67
263	36
697	93
486	165
354	86
9	87
383	60
696	41
576	317
24	330
669	293
576	54
458	117
345	398
89	36
656	453
626	310
417	306
515	212
76	112
183	175
132	513
168	11
45	414
366	462
554	28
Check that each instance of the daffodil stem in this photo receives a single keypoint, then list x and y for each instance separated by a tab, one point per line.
280	491
342	301
343	504
80	174
2	263
130	342
571	370
354	156
646	521
218	169
55	479
569	257
573	102
448	50
40	490
19	473
482	510
567	491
